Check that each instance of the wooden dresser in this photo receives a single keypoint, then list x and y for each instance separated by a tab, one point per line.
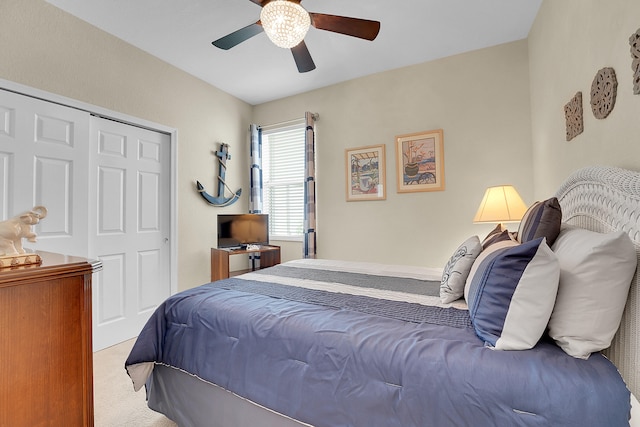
46	359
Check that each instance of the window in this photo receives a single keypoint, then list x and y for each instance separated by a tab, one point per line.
283	179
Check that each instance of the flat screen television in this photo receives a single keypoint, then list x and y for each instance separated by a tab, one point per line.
240	230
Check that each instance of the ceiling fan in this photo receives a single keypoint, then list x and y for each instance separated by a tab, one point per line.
286	23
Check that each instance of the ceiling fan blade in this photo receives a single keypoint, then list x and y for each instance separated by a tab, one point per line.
356	27
264	2
303	59
237	37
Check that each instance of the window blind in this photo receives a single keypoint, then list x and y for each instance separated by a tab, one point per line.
283	179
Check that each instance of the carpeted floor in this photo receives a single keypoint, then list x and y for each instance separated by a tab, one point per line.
115	402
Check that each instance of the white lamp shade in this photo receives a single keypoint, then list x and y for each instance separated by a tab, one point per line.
500	204
285	22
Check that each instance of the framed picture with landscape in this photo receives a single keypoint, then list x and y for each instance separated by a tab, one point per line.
420	161
365	176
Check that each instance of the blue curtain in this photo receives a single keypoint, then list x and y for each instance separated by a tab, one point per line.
255	195
309	246
255	190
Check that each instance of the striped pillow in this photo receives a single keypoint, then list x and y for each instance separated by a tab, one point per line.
542	219
511	291
498	237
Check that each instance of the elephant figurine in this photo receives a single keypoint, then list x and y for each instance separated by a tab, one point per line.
13	230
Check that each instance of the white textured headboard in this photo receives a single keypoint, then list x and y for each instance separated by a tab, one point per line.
606	199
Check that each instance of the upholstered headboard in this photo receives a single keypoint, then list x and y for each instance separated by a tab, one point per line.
606	199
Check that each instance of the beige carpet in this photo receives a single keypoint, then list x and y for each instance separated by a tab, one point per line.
115	402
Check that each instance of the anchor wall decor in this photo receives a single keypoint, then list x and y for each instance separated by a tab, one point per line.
220	200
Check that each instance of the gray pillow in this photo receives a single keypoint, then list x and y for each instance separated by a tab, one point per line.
457	269
596	270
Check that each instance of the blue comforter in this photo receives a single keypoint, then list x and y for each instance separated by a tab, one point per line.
339	363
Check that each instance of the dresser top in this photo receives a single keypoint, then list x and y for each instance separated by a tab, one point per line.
53	264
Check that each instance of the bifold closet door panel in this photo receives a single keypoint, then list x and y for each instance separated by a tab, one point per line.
44	152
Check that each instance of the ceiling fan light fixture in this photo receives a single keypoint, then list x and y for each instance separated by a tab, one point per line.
285	22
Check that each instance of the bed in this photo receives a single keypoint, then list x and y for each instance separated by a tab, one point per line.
328	343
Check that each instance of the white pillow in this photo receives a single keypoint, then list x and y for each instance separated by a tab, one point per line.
595	275
457	269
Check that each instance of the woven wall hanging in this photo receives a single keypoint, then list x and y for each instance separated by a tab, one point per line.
634	42
603	92
573	116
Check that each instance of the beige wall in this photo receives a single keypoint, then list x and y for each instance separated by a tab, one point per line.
45	48
569	42
480	100
492	126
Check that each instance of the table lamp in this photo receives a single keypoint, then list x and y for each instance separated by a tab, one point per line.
500	204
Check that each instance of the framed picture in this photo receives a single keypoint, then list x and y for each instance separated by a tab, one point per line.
365	176
420	161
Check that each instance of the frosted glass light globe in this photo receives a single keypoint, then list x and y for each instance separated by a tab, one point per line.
285	22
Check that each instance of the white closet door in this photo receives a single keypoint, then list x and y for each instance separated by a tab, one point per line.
106	186
131	219
44	149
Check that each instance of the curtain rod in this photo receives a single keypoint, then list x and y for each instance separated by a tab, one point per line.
314	116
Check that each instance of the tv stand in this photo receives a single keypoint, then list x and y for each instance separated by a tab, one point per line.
269	256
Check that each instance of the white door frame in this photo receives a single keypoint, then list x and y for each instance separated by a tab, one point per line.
124	118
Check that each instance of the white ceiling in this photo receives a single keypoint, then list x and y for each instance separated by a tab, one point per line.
180	32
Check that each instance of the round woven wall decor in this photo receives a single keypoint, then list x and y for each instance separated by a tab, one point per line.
603	92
